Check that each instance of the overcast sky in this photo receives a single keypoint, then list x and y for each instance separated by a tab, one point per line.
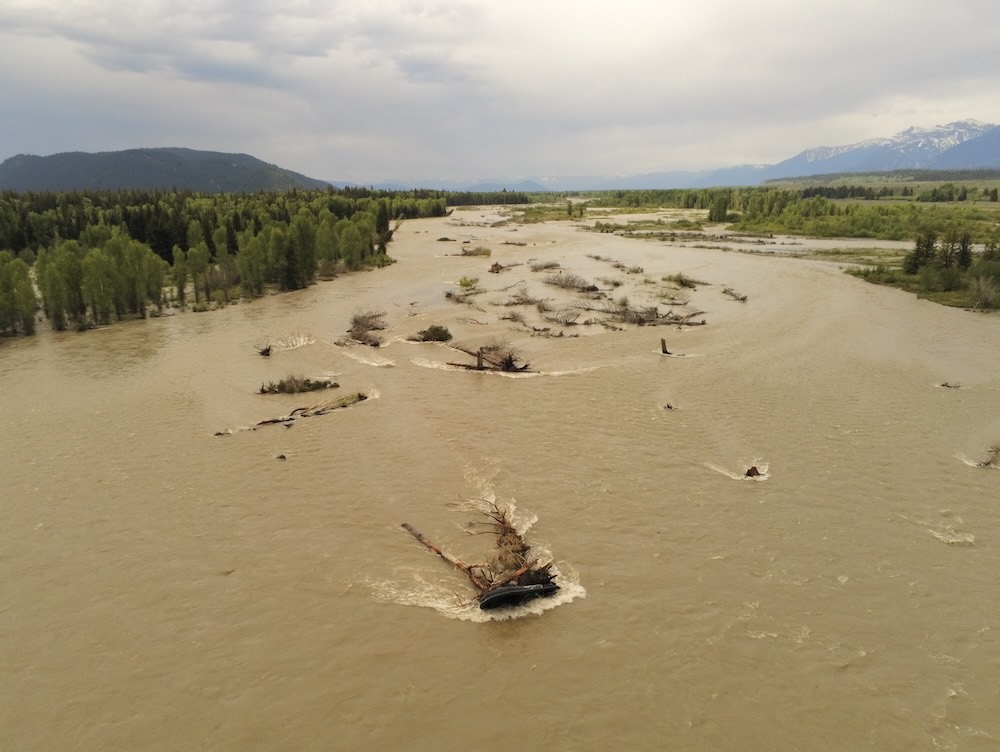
373	90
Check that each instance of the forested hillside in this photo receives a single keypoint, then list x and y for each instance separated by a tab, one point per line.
149	169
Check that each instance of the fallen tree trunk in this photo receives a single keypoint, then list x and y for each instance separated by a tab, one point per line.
477	583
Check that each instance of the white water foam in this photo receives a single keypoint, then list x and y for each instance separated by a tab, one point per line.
762	468
463	605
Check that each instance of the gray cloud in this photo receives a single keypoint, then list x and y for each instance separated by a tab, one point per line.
366	91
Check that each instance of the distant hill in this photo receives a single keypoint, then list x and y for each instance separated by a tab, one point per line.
149	169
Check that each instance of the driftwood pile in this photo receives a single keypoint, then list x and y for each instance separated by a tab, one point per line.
364	325
511	575
496	356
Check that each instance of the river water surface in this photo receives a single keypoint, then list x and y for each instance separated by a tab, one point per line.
167	588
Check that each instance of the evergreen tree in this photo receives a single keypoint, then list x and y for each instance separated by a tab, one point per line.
964	258
923	252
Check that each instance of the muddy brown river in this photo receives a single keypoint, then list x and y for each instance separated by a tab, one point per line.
167	588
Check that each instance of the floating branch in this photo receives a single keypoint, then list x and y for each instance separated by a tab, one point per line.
306	412
682	280
265	351
521	297
570	282
516	316
563	317
477	251
543	266
735	295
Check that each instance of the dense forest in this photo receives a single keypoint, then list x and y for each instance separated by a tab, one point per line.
99	256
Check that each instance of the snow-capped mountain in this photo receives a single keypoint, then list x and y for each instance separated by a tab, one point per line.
913	148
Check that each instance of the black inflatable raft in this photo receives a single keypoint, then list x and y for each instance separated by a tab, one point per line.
513	595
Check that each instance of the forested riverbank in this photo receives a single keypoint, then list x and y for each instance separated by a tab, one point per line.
85	259
95	257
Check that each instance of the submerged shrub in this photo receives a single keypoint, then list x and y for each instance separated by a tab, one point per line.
293	384
433	333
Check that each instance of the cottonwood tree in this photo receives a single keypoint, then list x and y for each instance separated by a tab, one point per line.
99	284
18	302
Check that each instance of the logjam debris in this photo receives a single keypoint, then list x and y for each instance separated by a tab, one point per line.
511	574
497	356
305	412
645	315
363	326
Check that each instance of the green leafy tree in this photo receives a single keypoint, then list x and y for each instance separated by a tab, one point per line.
228	273
18	302
136	273
719	210
99	284
195	234
252	264
197	264
352	247
179	274
157	274
327	244
55	296
303	230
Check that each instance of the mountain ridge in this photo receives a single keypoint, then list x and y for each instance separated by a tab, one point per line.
962	144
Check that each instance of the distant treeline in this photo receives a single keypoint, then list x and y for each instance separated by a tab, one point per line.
816	210
102	255
986	174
